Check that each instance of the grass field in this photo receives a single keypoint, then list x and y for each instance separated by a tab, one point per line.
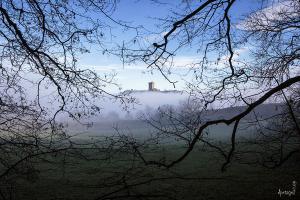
108	175
198	177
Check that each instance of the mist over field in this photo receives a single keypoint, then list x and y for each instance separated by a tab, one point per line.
146	100
115	120
130	119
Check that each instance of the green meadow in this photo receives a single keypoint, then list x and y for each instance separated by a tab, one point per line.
118	173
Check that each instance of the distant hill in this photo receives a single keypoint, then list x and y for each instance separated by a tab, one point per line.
261	111
154	99
150	100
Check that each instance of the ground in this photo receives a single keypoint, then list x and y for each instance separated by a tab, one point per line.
198	177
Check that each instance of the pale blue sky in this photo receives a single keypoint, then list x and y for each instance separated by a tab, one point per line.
142	13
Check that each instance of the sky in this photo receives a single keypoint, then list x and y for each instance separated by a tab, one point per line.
136	76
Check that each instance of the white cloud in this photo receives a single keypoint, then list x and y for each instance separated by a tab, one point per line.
277	11
113	67
185	61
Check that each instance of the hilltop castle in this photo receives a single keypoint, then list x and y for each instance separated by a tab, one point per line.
151	86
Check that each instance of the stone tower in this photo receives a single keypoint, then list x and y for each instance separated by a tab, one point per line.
151	86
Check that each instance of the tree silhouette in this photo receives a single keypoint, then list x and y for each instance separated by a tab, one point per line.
268	72
40	81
